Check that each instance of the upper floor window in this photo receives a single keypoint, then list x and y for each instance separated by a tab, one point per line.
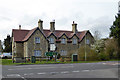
74	41
87	41
51	40
37	40
37	53
63	40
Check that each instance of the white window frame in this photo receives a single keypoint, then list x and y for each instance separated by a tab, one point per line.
37	53
74	41
37	39
51	40
63	40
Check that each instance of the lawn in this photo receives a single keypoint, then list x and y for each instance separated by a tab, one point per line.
9	62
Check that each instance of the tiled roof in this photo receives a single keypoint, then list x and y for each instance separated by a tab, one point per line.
23	35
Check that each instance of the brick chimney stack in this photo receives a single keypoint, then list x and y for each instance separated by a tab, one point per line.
40	24
52	26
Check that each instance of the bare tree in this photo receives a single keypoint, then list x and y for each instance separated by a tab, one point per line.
97	35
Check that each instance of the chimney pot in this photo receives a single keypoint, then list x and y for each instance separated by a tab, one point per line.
19	27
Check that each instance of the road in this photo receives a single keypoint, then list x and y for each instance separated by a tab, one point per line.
75	70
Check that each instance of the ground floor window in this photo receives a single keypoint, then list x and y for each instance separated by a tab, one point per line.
37	53
63	53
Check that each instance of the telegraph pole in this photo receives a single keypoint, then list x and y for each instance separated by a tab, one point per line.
85	49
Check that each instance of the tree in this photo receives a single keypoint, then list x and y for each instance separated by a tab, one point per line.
115	29
1	48
115	32
7	44
97	35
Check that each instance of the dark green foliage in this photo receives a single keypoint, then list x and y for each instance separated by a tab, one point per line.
103	56
58	56
115	33
7	44
115	29
1	47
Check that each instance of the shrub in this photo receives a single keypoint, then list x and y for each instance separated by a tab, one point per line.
91	55
103	56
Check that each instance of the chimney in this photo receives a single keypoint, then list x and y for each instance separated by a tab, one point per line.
40	24
19	27
52	26
74	27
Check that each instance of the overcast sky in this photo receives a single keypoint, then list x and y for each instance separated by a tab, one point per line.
88	14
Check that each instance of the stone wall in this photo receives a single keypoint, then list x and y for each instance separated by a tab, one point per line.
30	45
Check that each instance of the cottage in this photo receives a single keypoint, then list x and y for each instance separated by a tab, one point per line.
35	42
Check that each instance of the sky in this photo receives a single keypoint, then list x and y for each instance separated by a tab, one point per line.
93	15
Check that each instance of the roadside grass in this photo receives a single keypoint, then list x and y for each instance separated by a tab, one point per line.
9	62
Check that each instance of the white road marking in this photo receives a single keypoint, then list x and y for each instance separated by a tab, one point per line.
23	78
85	70
33	65
76	71
103	63
31	68
29	74
65	72
41	68
41	73
13	75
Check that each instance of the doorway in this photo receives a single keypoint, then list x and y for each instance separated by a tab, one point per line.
75	57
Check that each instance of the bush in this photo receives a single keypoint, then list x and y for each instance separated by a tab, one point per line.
111	49
91	55
103	57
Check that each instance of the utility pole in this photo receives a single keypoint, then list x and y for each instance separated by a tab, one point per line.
85	49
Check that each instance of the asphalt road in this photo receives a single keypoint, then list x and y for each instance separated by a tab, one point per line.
75	70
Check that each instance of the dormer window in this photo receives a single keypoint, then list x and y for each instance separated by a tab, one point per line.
74	41
51	40
63	40
37	40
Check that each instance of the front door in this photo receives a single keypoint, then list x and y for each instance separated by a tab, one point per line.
75	58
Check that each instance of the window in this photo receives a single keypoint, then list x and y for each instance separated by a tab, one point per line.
63	53
87	41
63	40
51	40
74	41
37	40
37	53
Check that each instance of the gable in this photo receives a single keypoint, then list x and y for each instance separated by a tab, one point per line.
52	35
36	31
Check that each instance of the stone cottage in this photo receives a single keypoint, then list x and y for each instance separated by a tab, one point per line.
36	42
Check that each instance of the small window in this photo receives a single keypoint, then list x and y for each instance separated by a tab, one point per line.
87	41
37	53
63	53
51	40
37	40
63	40
74	41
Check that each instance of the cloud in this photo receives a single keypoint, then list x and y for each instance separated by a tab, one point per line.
88	14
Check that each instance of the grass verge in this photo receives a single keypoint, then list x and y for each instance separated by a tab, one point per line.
9	62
